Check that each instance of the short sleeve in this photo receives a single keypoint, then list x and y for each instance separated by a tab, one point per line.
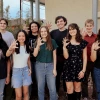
54	44
83	44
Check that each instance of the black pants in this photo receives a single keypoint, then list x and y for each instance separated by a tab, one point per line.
33	91
9	92
89	70
59	67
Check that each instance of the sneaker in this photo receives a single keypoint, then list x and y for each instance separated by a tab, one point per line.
85	98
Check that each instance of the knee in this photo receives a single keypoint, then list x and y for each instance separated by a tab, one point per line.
18	97
77	88
69	90
25	94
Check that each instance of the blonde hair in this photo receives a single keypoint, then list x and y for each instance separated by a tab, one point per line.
90	21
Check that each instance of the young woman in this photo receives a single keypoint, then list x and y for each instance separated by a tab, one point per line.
45	53
4	67
21	74
95	57
33	34
74	51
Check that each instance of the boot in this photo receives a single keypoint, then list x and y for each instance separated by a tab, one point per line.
77	95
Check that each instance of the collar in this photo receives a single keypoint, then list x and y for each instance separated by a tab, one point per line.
91	35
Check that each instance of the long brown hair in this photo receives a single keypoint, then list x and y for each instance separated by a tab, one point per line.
78	35
48	38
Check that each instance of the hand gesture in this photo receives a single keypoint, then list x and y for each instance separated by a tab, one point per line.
65	42
13	45
84	32
96	45
48	24
25	28
39	42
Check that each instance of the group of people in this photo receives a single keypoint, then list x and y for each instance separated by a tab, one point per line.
37	57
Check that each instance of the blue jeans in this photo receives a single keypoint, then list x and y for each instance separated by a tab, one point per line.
2	84
44	72
20	77
97	81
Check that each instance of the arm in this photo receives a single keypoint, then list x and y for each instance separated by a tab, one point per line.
65	50
9	52
84	59
93	53
54	62
65	53
36	50
8	72
29	65
82	72
11	48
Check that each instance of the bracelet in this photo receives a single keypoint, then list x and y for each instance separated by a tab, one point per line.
83	71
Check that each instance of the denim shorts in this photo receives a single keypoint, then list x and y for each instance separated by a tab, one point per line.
20	77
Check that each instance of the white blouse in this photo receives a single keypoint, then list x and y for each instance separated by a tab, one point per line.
20	60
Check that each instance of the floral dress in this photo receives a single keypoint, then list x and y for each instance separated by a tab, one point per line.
74	64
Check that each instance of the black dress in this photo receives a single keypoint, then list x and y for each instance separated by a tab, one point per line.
74	64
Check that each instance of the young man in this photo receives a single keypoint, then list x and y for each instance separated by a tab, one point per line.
58	35
90	37
8	38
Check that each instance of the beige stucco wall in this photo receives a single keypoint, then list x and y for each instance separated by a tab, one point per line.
74	10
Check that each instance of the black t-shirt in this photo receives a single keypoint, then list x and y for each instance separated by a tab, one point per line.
97	62
58	36
32	40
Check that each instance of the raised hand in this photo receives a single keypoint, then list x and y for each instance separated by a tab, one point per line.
96	45
25	28
13	45
65	42
48	24
39	41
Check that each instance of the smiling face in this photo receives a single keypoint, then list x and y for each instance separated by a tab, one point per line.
34	28
43	32
21	37
89	27
3	25
60	23
72	31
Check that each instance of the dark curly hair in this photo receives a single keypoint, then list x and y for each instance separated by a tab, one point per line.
78	35
59	17
26	42
33	22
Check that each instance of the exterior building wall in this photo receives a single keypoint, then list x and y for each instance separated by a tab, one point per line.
76	11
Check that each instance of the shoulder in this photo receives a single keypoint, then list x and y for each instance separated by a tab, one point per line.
7	32
53	41
53	31
83	43
10	34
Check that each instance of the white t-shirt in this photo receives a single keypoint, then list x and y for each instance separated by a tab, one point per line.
20	60
8	37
